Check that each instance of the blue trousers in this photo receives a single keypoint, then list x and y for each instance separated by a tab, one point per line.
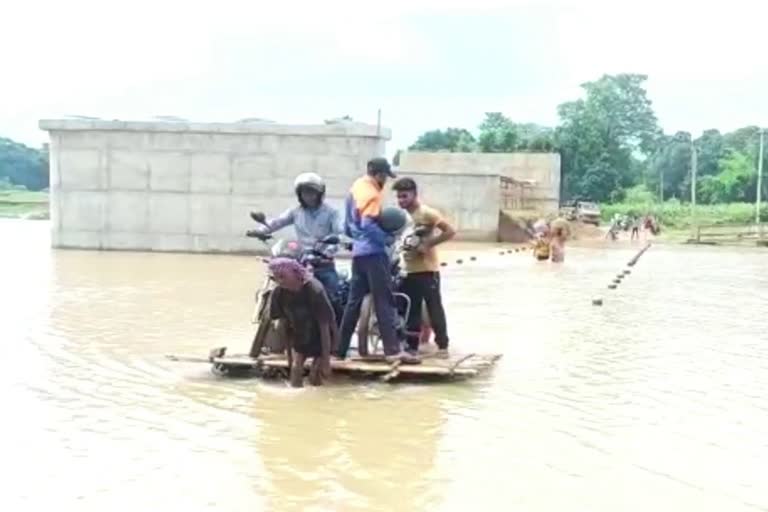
370	274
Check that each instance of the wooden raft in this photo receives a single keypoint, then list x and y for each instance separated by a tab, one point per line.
457	366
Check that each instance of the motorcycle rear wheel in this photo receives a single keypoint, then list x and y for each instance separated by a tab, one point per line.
263	328
367	329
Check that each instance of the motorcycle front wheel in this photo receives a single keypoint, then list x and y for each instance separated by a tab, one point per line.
263	328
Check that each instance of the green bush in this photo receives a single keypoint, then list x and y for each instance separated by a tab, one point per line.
674	214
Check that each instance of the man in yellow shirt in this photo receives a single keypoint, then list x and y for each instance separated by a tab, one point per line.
422	266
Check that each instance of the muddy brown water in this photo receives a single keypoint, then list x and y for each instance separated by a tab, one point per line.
658	400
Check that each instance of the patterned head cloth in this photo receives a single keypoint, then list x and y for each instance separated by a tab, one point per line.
287	268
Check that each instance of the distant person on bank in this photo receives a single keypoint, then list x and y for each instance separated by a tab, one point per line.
636	222
371	230
422	267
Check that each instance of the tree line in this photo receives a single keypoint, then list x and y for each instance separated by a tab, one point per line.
610	142
22	166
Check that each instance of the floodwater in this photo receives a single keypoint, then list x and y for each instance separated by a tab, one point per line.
658	400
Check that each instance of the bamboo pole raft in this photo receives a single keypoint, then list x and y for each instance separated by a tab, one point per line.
271	366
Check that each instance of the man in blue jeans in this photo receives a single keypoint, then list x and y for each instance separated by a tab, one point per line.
371	233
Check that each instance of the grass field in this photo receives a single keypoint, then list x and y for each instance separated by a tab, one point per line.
677	216
23	204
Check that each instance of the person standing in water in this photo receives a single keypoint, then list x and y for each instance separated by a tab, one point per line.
300	300
541	240
560	230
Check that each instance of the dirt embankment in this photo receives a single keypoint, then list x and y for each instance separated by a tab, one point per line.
581	231
516	228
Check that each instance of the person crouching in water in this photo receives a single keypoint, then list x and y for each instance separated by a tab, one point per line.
422	267
300	300
560	229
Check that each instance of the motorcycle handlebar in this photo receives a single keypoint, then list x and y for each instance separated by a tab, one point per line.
253	233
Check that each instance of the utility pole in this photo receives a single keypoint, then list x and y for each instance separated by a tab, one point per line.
759	179
661	185
694	170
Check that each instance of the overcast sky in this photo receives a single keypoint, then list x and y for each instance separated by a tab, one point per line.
426	63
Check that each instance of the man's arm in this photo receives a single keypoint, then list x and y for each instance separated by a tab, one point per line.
283	220
337	222
447	231
367	202
336	228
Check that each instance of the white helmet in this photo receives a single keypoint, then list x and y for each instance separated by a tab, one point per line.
311	180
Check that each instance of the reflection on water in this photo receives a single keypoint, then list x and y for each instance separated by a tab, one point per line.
655	401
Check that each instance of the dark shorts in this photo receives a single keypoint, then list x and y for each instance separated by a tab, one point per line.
309	344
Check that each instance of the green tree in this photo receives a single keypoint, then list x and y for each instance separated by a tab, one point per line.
672	163
451	139
736	177
744	140
22	165
639	194
711	149
498	134
601	134
534	137
736	180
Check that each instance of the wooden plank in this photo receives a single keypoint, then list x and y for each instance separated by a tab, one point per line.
229	360
455	365
187	359
394	371
467	365
363	367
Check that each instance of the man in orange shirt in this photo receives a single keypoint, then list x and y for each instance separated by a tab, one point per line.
372	233
422	267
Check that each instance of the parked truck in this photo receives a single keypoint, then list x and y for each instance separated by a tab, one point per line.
587	212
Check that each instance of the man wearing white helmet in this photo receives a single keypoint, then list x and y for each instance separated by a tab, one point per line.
313	220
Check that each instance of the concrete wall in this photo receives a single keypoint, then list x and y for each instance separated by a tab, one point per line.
189	186
470	201
544	168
